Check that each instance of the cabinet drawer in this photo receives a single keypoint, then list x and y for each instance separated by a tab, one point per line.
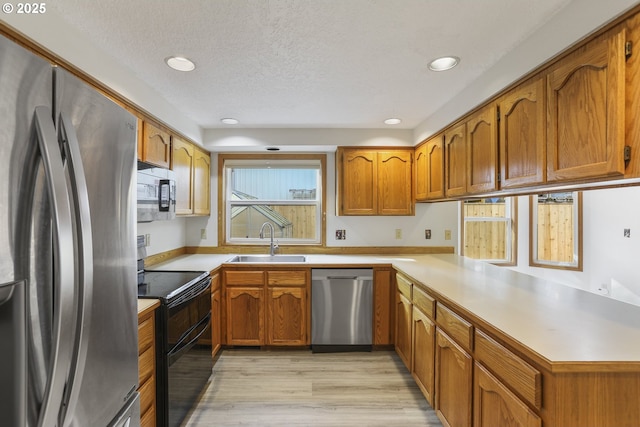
147	394
513	371
424	302
145	334
457	328
404	286
287	278
243	278
146	365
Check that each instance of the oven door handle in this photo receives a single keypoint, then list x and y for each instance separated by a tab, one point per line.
179	349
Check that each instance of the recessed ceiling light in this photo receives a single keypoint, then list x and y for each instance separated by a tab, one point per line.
444	63
229	121
180	63
392	121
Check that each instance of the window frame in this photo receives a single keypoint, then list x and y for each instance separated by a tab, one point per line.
533	242
511	220
224	207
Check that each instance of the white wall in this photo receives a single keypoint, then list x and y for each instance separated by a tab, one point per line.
52	32
164	235
360	230
610	260
577	19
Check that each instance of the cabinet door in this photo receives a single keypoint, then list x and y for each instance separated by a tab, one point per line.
201	182
453	382
216	315
383	305
286	316
245	316
586	98
395	171
156	146
424	334
482	150
182	165
403	329
420	174
523	135
455	157
435	168
358	177
495	405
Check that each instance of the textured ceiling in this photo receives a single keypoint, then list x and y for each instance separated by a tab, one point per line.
307	63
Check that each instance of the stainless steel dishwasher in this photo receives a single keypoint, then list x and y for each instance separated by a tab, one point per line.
341	309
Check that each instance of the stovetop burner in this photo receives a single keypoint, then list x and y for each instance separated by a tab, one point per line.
166	285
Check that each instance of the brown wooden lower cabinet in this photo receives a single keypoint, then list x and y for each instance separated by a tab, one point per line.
147	366
423	357
383	307
267	307
495	405
454	374
216	314
245	314
403	328
287	309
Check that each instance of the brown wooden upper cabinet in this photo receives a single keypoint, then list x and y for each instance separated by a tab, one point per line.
420	174
455	156
156	146
523	135
182	165
202	182
375	181
192	166
429	169
482	150
586	100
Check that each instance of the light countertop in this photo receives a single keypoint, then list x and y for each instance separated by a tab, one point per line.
145	304
559	323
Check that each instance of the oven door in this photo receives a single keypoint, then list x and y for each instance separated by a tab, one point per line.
189	365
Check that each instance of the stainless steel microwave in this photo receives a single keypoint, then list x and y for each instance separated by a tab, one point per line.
156	194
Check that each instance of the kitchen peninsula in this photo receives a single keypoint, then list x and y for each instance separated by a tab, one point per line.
560	356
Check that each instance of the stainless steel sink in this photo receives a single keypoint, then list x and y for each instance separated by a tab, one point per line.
268	258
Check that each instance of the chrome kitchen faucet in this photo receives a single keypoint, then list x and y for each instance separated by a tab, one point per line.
272	248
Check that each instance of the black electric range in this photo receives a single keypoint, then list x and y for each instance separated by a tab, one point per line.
169	286
183	321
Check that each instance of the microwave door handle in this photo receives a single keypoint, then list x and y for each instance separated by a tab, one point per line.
71	146
64	268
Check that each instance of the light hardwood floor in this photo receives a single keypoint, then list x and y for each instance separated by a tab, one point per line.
300	388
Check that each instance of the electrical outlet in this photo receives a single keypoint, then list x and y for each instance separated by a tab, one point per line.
627	232
427	234
203	233
398	233
447	234
147	240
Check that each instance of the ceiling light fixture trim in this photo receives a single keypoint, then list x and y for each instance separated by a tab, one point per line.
229	121
180	63
444	63
392	121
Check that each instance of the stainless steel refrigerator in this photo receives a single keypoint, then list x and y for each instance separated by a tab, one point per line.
68	297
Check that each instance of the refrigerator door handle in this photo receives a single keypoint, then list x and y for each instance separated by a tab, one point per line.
68	140
64	269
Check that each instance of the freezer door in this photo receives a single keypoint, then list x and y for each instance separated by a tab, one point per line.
106	136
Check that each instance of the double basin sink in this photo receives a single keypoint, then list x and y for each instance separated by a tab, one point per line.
267	258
